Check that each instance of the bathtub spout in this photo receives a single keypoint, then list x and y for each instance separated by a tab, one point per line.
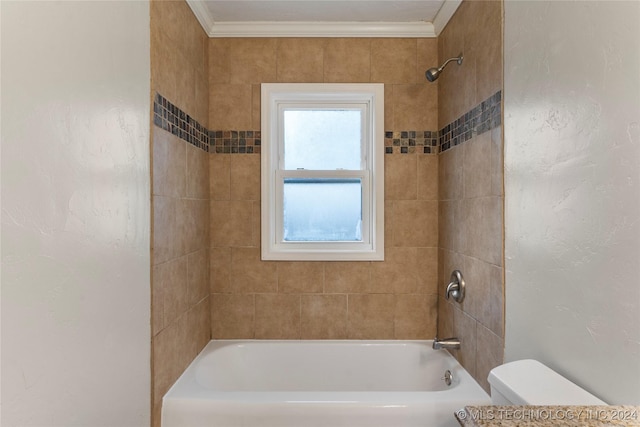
447	343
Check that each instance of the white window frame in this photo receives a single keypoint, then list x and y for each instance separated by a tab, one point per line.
277	96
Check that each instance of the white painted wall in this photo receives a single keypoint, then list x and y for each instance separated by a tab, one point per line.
75	214
572	176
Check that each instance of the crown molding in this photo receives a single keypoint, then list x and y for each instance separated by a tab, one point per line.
445	13
323	29
202	15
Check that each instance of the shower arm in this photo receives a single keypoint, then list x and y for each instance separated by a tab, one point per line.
457	58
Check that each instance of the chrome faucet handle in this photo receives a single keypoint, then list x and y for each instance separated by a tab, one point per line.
455	288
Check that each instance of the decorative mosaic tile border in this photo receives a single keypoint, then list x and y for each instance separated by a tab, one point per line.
172	119
249	141
411	141
480	119
235	141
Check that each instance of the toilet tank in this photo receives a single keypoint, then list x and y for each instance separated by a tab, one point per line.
529	382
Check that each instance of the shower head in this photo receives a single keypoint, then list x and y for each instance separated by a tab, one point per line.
433	73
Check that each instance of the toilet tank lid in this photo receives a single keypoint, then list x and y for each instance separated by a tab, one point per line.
529	382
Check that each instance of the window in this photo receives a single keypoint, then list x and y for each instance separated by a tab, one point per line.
322	172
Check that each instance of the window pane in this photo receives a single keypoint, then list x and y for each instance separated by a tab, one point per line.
322	139
322	210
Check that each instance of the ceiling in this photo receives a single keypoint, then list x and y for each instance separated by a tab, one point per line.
323	18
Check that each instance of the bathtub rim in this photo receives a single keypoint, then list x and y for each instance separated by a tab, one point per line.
186	387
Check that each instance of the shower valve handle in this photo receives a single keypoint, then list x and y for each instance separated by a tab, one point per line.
455	288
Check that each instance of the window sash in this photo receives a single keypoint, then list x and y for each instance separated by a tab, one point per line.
365	135
366	207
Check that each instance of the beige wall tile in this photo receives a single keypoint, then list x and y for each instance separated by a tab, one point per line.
171	277
415	317
201	113
371	316
185	345
300	277
484	38
195	224
256	107
165	362
218	53
415	223
198	327
445	319
169	164
464	327
198	275
483	228
475	30
249	274
477	277
441	272
415	106
427	58
389	214
400	177
388	108
197	172
256	227
162	79
230	106
451	225
231	223
450	175
393	61
245	177
232	316
242	60
220	176
398	273
347	60
489	354
476	163
165	17
277	316
427	177
300	60
220	270
323	317
165	229
497	163
495	322
458	81
157	300
345	277
156	414
427	264
181	231
185	82
194	40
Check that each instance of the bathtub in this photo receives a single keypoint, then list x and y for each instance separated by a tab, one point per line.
320	384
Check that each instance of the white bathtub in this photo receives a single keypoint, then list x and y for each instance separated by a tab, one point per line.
319	383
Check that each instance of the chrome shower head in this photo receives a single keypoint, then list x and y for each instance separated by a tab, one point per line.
433	73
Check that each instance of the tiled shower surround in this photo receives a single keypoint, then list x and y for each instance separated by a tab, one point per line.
392	299
470	185
443	192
